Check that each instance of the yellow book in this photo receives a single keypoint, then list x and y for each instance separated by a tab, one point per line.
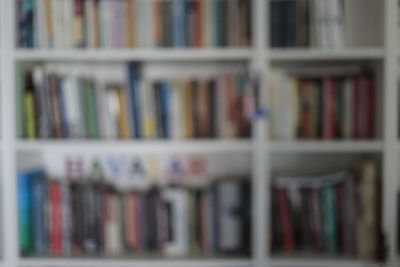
148	109
30	115
49	20
123	123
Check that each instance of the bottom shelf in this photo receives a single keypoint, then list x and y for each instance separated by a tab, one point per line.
140	262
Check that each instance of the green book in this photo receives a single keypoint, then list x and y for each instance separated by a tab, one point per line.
91	109
332	225
83	108
21	131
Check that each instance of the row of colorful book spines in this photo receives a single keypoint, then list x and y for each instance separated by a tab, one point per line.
330	102
333	235
167	32
162	126
148	238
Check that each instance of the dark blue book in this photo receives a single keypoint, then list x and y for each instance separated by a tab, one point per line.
26	181
165	108
291	23
275	26
63	114
134	76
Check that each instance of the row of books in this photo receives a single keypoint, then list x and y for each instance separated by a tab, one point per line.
337	214
61	104
83	217
134	23
327	24
324	107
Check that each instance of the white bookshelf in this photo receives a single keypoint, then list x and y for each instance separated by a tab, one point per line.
262	150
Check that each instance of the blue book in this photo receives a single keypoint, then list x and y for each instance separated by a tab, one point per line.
178	9
291	20
165	108
39	193
26	181
136	122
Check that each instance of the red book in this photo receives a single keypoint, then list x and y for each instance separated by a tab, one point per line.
356	108
56	219
370	107
198	38
329	109
313	218
284	207
339	215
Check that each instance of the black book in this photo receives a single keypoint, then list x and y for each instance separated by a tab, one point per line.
212	119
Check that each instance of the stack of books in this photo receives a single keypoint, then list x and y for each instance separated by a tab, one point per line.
134	23
336	214
326	24
322	106
59	101
86	217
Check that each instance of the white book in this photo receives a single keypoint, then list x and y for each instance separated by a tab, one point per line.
230	224
112	228
284	105
179	244
44	120
73	110
112	114
334	11
56	7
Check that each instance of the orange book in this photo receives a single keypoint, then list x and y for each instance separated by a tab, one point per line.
157	19
123	119
188	118
203	109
